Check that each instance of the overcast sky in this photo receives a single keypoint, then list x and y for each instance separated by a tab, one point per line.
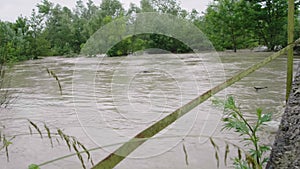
11	9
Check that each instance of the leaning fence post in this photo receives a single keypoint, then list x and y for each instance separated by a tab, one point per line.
290	63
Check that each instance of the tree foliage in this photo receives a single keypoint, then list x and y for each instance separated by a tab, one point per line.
236	24
53	29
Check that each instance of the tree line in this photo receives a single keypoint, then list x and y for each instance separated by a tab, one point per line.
54	30
237	24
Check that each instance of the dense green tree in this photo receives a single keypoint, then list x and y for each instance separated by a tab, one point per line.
39	45
6	36
225	24
21	25
57	30
45	7
147	6
14	42
233	24
167	6
104	14
133	9
81	16
164	6
21	28
112	8
268	21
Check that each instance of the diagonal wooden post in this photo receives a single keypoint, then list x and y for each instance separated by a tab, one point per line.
122	152
290	63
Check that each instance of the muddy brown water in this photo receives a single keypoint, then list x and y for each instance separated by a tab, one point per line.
106	101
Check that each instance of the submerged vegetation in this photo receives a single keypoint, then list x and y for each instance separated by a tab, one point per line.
254	151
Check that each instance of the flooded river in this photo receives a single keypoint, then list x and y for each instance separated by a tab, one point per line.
106	101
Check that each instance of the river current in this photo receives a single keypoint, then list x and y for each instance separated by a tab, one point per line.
104	102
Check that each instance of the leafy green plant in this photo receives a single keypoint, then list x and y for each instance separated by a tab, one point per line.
33	166
235	120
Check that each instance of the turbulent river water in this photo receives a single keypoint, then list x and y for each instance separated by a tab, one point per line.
106	101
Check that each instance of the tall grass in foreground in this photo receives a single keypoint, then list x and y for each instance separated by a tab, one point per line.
54	135
234	119
71	142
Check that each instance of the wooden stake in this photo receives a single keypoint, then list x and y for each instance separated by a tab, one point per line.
290	63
